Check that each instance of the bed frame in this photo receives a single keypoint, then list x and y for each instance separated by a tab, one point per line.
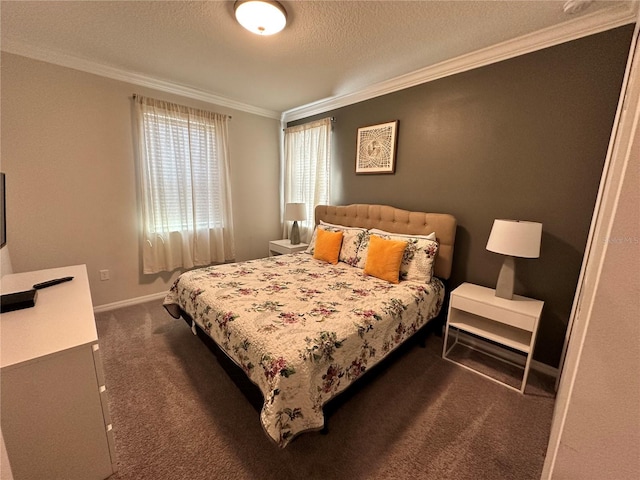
367	216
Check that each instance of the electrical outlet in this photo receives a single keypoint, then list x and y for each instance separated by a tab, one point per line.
104	274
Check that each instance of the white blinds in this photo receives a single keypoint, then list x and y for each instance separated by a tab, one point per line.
185	194
307	154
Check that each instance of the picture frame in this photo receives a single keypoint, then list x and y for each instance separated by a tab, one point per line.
376	148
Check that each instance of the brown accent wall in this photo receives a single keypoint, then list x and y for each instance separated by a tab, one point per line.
524	139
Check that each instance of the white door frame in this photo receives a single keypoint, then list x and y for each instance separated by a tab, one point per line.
624	129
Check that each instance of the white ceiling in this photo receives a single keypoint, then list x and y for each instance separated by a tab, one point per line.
328	50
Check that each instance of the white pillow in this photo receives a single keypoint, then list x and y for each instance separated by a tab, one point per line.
327	224
431	236
419	255
351	238
341	227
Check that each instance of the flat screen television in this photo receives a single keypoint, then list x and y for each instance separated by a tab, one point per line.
3	212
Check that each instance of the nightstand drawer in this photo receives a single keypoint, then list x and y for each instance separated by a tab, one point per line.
515	319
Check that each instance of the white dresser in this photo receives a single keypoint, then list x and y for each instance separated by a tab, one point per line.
53	401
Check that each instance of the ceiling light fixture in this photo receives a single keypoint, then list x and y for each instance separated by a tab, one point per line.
261	17
575	6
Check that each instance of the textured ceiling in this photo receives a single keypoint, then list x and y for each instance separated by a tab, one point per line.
327	49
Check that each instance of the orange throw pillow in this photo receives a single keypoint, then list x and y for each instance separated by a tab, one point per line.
328	246
384	258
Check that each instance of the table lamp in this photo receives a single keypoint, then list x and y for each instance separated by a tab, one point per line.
513	238
294	212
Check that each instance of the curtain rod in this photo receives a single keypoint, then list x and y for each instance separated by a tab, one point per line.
333	120
135	95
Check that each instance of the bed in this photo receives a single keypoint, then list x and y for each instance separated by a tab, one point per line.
303	328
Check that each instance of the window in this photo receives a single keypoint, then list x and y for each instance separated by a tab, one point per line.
307	156
184	179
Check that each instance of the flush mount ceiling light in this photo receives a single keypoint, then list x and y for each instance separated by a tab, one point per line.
575	6
261	16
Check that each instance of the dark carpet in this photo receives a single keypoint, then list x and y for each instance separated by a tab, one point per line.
178	414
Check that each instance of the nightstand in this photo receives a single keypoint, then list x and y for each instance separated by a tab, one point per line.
280	247
512	323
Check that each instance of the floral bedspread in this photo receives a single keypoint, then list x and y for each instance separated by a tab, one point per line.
301	329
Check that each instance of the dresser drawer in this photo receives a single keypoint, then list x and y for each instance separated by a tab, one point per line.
498	314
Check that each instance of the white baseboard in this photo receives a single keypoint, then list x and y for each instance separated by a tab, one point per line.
130	302
508	355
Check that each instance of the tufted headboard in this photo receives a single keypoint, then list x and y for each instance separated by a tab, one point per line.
395	220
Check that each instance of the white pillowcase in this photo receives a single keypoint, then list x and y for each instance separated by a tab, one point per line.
341	227
419	255
431	236
351	238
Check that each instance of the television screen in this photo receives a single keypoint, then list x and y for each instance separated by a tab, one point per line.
3	213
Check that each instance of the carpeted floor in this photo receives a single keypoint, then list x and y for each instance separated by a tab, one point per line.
177	414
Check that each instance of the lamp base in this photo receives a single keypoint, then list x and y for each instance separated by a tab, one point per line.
504	287
295	233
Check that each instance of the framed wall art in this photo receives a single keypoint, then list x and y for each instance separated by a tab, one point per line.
376	148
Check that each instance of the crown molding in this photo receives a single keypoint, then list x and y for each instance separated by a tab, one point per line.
114	73
583	26
589	24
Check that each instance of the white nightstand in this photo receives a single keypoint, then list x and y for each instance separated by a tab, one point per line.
513	323
280	247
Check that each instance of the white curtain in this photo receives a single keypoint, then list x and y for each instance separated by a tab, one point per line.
307	163
183	170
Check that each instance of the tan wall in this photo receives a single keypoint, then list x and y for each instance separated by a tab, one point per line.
68	153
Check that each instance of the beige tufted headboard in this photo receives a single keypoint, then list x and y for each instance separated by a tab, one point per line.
396	220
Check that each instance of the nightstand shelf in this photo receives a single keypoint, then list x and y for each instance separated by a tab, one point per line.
282	247
511	323
496	332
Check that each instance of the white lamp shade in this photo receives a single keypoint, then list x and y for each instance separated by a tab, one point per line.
515	238
295	211
261	16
